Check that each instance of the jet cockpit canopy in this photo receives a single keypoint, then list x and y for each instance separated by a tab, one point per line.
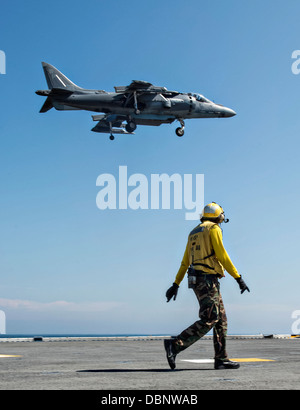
200	97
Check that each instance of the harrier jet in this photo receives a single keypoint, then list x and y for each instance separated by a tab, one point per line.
139	103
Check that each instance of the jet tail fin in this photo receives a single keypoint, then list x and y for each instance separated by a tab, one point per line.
55	79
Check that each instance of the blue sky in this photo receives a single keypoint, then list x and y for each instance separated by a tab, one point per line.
65	265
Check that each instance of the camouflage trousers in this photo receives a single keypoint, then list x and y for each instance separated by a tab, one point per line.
212	315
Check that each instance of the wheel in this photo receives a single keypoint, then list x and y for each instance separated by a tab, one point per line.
179	131
111	137
130	126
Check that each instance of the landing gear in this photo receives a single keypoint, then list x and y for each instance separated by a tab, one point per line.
111	137
130	126
136	110
180	130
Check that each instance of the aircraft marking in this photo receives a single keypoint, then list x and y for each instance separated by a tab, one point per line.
61	80
9	355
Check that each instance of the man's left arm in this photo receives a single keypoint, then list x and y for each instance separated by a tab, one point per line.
220	251
223	257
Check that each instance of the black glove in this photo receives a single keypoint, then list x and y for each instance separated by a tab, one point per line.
242	284
172	291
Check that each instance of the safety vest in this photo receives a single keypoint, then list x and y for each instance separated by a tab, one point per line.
201	252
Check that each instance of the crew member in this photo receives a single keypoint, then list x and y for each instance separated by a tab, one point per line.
205	259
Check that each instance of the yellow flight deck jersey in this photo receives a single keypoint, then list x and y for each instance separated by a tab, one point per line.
205	250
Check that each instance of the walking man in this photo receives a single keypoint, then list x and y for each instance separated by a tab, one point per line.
205	259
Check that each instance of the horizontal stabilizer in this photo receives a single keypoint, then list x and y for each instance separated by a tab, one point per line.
47	105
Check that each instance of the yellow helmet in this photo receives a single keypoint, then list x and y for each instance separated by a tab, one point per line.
213	211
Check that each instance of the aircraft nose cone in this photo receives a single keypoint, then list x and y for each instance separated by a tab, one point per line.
228	112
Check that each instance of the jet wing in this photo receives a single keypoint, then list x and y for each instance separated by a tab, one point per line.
143	87
135	85
107	122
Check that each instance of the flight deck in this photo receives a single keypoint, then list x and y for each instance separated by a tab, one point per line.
270	362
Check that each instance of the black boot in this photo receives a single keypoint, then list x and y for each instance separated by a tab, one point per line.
225	364
171	355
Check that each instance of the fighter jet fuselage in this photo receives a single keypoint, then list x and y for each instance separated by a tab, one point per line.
140	103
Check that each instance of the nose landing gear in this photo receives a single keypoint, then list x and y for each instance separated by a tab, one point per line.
180	130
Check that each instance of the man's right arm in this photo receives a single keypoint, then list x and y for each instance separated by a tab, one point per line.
183	267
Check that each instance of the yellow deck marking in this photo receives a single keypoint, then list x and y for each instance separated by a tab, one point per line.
10	355
252	359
